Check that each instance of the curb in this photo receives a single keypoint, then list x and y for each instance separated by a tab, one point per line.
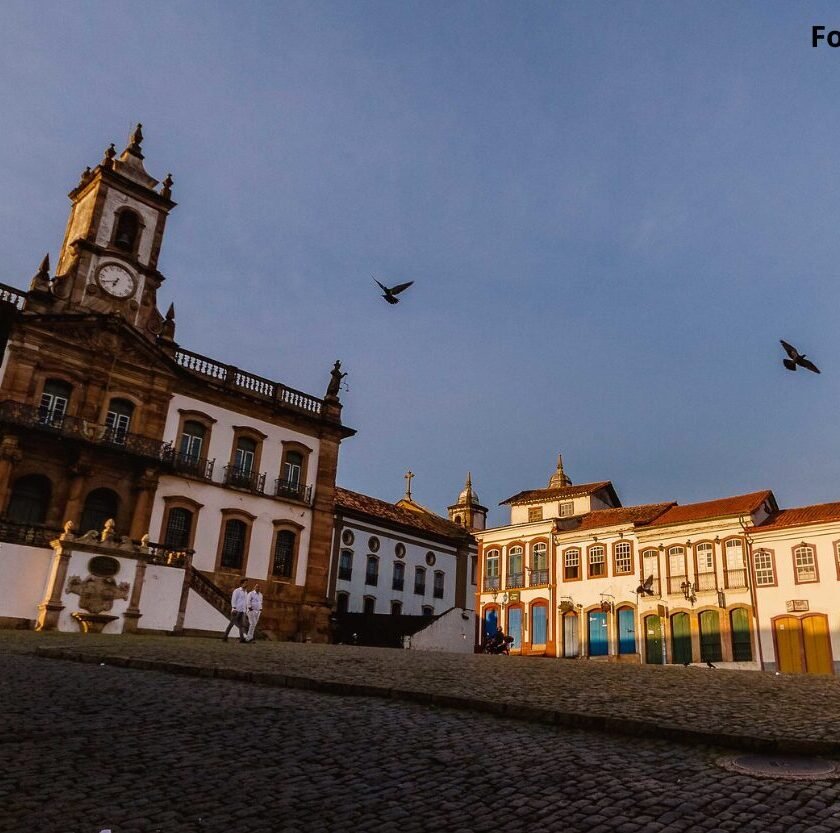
544	715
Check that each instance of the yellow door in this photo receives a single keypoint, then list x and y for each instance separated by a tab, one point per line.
817	644
788	632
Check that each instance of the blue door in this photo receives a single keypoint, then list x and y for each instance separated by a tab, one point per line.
598	644
538	624
626	631
491	622
515	626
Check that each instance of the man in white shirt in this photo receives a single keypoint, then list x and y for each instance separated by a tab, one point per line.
238	614
255	600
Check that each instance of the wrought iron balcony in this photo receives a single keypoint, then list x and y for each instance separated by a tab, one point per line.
293	490
492	583
515	580
190	464
30	535
736	578
539	577
15	413
706	581
10	295
168	556
245	479
675	583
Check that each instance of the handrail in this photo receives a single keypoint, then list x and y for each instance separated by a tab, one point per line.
210	592
10	295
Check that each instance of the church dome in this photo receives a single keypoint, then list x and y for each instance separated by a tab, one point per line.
467	494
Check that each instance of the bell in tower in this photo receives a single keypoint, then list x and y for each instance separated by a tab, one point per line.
468	512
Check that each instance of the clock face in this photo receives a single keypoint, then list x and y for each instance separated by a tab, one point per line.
116	281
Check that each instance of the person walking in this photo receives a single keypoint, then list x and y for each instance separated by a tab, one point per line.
239	606
255	602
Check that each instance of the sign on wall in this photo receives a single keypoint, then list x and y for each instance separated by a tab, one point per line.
797	605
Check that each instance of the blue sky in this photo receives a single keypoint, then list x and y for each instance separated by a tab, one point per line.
612	213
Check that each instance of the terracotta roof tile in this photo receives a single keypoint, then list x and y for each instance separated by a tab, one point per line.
389	513
534	495
801	516
599	518
737	505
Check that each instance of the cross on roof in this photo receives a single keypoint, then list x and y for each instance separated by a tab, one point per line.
408	475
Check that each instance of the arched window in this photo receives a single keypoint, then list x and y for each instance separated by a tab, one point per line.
650	569
539	563
676	568
54	400
345	565
284	554
420	580
118	419
192	441
458	520
342	602
437	590
178	528
372	571
396	608
704	558
736	573
516	571
126	231
369	605
30	499
100	506
398	581
233	544
491	570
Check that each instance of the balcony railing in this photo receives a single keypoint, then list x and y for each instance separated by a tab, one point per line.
196	466
10	295
736	578
237	379
492	582
15	413
539	577
515	580
706	581
168	556
293	490
245	479
674	583
30	535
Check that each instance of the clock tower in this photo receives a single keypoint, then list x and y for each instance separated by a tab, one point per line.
108	260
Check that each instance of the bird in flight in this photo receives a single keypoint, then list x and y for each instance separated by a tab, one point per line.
646	587
796	358
391	293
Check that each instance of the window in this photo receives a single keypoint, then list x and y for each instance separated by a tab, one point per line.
118	419
293	475
765	573
345	565
458	520
192	441
347	537
428	610
126	229
571	565
597	561
30	499
396	608
650	568
736	574
676	569
243	460
373	543
178	529
804	564
473	568
54	402
535	513
284	554
516	571
399	550
398	580
100	505
491	570
369	605
704	555
837	557
233	545
539	563
431	558
420	580
437	590
292	468
342	602
623	558
372	571
566	508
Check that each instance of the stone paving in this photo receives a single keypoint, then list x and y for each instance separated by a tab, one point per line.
88	747
742	709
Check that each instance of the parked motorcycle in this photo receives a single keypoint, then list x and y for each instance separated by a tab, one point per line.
502	647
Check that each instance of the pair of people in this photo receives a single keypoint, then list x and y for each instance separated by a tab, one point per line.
246	608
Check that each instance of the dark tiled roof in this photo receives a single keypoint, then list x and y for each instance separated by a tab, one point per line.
737	505
801	516
535	495
637	515
385	512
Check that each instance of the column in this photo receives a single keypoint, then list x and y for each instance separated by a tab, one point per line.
132	612
51	607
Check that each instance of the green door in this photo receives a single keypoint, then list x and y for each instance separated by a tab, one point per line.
710	636
653	640
680	638
741	639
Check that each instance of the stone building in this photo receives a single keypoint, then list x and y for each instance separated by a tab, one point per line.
103	415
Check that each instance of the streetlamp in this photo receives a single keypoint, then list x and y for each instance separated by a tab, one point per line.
688	589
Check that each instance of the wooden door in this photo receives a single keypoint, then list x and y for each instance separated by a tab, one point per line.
626	619
680	638
571	645
710	636
653	640
741	637
787	631
817	644
598	642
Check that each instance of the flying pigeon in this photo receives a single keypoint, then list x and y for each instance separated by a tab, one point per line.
391	294
796	358
646	587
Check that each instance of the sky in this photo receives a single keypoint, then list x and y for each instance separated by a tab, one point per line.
612	212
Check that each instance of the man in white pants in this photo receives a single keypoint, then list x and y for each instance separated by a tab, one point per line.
238	612
255	599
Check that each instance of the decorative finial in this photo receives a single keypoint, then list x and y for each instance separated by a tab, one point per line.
166	191
168	329
108	158
135	140
85	176
408	478
170	313
559	479
41	280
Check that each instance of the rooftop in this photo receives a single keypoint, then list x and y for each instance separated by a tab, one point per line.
736	505
541	495
800	516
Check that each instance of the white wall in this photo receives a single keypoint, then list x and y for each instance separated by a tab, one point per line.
551	508
161	597
202	616
454	631
23	579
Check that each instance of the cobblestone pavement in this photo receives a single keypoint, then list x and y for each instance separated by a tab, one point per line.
727	706
89	747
